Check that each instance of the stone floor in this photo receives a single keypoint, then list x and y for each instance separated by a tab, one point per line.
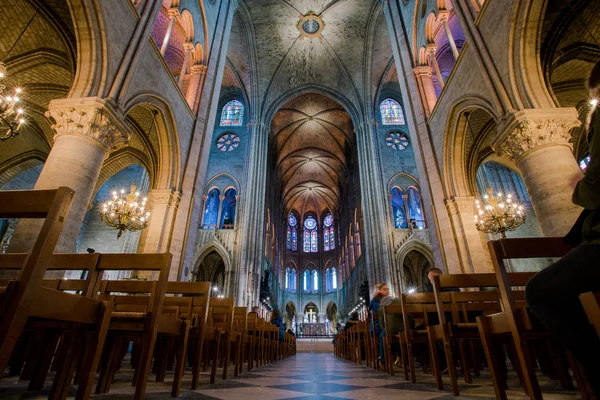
304	376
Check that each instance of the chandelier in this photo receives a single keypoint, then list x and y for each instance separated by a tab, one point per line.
125	212
11	113
498	214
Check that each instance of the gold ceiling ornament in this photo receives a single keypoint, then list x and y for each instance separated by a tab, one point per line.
498	214
310	25
12	115
125	211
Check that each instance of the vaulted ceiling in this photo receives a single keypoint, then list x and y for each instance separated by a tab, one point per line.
310	138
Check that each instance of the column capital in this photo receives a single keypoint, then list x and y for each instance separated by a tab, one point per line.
529	130
93	118
422	70
385	4
443	15
431	48
174	13
165	196
460	205
199	69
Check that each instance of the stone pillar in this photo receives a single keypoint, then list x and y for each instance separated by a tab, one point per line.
221	198
87	131
471	251
431	49
443	16
426	88
174	16
163	203
538	141
187	47
197	73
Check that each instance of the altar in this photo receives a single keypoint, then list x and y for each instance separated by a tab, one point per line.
313	329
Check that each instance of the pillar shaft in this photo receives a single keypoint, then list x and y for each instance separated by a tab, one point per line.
188	52
87	130
539	143
431	52
443	18
423	74
173	17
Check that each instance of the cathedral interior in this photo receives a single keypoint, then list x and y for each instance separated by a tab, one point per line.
295	153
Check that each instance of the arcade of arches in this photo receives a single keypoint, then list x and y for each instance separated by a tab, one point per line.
297	165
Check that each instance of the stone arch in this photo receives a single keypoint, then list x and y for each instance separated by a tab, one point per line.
403	181
413	244
120	159
222	181
213	246
163	147
188	25
458	160
431	27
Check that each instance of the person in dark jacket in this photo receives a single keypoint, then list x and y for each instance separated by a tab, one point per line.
381	290
277	320
553	294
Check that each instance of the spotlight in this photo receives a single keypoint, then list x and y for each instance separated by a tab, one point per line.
594	102
412	290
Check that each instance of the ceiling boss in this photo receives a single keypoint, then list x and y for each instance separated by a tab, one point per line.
310	25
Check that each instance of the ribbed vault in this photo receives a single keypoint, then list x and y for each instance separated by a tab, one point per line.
311	135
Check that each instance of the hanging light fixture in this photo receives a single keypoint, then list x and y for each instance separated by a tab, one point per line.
125	211
498	214
12	115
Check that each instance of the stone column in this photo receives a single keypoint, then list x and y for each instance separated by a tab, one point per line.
87	131
163	205
426	88
443	16
221	198
197	73
431	49
471	251
174	16
187	47
538	141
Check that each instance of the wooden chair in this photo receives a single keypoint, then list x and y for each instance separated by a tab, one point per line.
238	338
25	299
391	337
220	318
137	316
416	307
513	319
251	339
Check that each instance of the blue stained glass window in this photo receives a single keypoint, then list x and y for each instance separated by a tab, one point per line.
415	213
292	233
315	281
391	112
398	209
293	281
328	280
294	239
306	281
326	239
211	210
228	209
583	164
232	114
328	236
334	278
287	278
289	238
311	244
331	238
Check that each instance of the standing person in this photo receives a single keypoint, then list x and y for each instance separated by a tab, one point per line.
553	294
277	320
382	290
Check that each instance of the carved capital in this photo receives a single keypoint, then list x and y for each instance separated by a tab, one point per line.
443	16
529	134
199	69
174	13
91	118
431	49
460	205
422	70
167	197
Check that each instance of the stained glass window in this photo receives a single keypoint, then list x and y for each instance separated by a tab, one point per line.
292	233
211	210
293	281
334	278
228	209
287	278
415	213
311	244
328	280
399	209
396	140
391	112
583	164
328	235
232	114
228	142
306	281
315	281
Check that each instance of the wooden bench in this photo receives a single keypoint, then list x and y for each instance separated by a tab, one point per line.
25	299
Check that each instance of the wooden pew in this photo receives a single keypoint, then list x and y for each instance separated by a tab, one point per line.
220	318
415	306
137	315
511	319
238	338
25	299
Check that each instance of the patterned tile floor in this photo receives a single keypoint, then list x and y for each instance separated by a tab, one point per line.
304	376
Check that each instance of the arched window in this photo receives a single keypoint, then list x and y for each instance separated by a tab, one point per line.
391	112
328	233
293	280
334	278
315	276
306	284
228	209
415	212
399	209
328	282
311	243
292	233
211	210
232	114
287	279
